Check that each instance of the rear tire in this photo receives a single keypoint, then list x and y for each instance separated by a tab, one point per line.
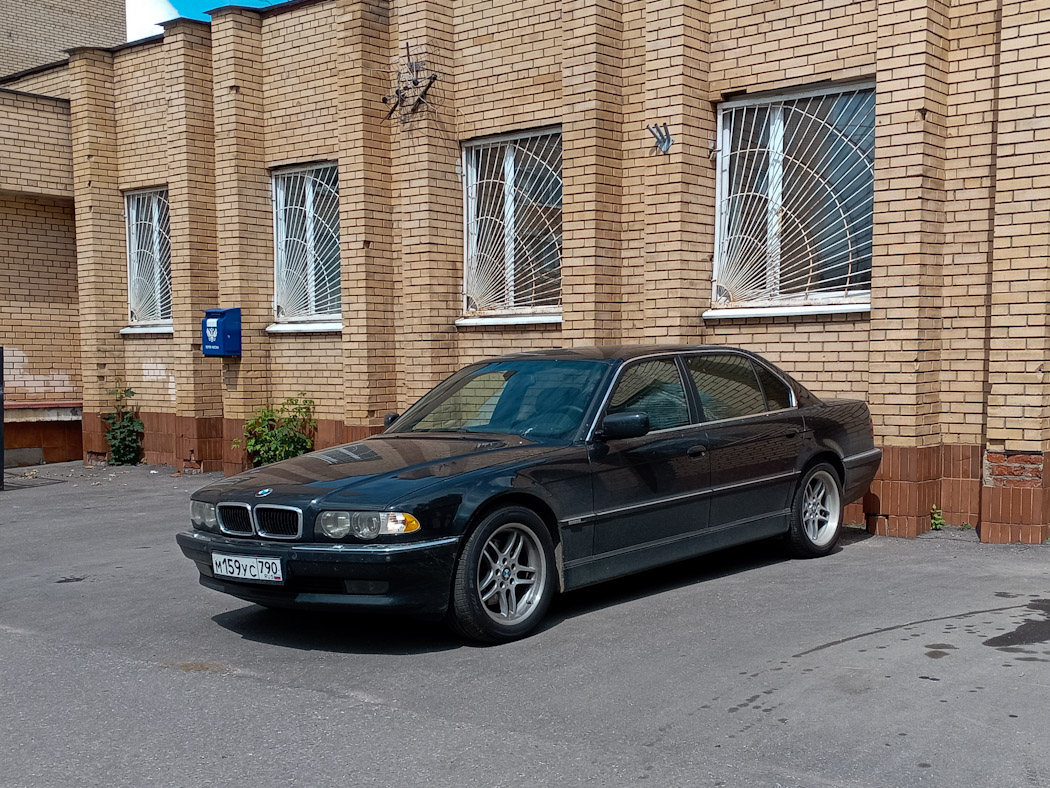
816	513
505	577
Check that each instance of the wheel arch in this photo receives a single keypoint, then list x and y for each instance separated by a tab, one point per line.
517	498
829	457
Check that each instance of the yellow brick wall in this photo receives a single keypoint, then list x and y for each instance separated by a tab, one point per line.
34	33
309	364
149	369
507	68
35	152
299	59
38	300
52	82
141	88
778	43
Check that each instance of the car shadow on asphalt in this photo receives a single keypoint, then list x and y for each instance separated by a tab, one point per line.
339	632
353	633
692	571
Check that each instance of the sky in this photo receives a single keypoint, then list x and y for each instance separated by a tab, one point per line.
143	15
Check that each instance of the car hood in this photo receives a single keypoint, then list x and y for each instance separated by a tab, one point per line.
377	470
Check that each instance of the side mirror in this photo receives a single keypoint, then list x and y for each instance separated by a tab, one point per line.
616	426
390	418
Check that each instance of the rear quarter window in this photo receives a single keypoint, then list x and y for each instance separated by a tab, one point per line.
778	395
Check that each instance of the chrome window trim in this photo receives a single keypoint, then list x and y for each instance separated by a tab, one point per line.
685	355
776	374
283	537
794	398
672	355
251	518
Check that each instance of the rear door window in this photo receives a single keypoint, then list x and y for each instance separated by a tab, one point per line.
726	386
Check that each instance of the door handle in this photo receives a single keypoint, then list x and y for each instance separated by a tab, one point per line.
697	451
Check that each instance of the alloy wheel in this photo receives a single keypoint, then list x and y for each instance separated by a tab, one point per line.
821	508
511	574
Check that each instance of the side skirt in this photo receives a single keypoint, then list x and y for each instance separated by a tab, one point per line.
595	569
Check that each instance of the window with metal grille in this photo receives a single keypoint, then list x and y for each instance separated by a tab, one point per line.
306	237
513	223
149	257
795	196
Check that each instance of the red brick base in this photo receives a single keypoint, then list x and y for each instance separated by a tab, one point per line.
1016	502
57	441
202	444
1001	494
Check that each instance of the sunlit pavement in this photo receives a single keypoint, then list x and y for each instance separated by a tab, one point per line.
890	662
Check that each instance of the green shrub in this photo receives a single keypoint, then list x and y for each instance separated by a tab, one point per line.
124	435
275	434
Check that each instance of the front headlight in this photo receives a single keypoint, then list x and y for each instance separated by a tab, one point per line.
365	525
203	515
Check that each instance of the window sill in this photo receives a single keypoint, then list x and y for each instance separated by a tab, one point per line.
318	327
159	329
511	320
784	311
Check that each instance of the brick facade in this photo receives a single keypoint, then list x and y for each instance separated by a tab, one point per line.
32	34
951	356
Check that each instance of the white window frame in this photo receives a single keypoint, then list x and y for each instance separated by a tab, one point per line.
161	243
509	314
820	302
311	268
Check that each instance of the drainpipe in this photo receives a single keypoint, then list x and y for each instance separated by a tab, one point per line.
990	243
1	418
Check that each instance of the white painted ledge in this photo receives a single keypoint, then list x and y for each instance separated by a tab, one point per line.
511	320
325	327
785	311
128	330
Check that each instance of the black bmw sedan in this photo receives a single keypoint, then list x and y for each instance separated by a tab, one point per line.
534	473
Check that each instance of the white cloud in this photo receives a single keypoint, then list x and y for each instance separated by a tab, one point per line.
144	15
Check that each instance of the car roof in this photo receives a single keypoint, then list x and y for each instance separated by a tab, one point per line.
610	352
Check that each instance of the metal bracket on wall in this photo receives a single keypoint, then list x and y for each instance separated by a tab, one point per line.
411	86
663	137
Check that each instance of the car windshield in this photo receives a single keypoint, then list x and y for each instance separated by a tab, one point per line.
532	398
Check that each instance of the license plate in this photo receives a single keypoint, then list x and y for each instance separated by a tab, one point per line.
247	567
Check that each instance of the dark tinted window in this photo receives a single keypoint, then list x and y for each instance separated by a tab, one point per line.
727	386
652	387
778	396
540	399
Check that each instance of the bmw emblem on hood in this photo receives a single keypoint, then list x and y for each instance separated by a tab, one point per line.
264	492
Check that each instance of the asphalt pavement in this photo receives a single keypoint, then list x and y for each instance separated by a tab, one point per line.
888	663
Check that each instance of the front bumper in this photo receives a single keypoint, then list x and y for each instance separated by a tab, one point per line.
415	577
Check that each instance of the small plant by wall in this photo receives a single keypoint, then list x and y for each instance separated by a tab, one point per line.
279	433
124	435
936	518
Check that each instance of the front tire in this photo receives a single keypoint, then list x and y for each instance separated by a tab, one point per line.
816	513
505	577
